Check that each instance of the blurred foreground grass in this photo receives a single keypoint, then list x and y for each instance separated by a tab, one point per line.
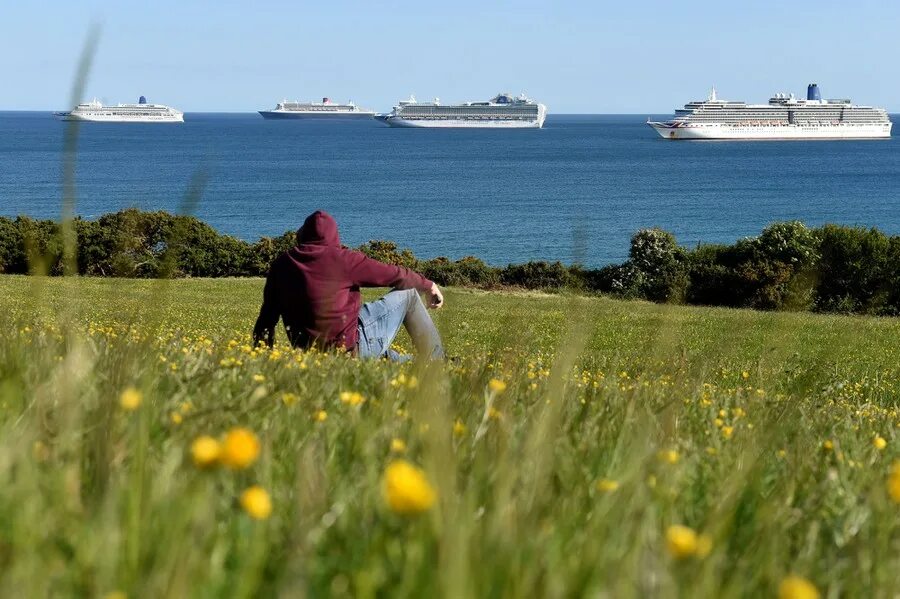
559	452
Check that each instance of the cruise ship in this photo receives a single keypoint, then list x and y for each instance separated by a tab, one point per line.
502	111
142	112
326	109
784	117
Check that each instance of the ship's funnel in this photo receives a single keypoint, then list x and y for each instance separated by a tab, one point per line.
141	100
812	92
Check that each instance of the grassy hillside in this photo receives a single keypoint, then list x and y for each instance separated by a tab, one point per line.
560	455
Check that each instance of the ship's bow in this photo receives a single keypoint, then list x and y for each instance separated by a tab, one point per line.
665	130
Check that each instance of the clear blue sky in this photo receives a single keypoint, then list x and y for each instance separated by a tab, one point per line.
578	56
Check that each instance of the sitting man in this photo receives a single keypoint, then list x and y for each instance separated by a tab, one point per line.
315	285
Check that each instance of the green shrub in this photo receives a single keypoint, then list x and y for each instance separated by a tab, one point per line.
468	271
389	253
264	252
713	278
660	265
13	259
536	275
41	245
857	271
773	271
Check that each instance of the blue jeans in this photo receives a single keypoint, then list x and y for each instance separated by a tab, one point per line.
380	321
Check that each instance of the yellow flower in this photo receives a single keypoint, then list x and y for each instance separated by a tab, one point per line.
176	418
745	375
893	482
727	431
879	442
321	416
288	399
704	545
496	386
828	445
607	485
797	587
669	456
256	502
459	429
352	398
205	450
406	489
130	399
240	448
259	378
398	446
402	380
683	542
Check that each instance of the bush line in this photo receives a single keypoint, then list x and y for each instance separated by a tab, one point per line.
787	267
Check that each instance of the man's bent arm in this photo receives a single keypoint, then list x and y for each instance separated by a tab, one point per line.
264	330
366	272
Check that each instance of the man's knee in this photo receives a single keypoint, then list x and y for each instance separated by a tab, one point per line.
408	296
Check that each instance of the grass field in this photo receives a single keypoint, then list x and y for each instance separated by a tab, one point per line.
580	446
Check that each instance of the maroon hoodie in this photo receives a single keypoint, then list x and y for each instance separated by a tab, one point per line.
315	286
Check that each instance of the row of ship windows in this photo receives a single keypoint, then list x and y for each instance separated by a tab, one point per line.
803	125
466	112
117	113
769	115
784	111
782	117
447	117
751	117
804	122
809	109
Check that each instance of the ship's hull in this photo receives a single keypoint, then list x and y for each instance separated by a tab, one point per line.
323	116
102	118
395	121
771	132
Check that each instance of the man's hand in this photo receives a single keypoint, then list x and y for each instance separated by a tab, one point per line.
435	297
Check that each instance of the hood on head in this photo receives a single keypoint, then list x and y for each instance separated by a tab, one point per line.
319	228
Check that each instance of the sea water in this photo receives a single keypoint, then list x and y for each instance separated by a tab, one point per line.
573	191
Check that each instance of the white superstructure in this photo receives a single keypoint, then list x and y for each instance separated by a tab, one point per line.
326	109
142	112
502	111
784	117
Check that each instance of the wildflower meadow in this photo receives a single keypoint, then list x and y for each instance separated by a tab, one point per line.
576	446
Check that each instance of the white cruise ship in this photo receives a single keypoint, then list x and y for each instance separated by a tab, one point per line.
326	109
503	111
142	112
784	117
